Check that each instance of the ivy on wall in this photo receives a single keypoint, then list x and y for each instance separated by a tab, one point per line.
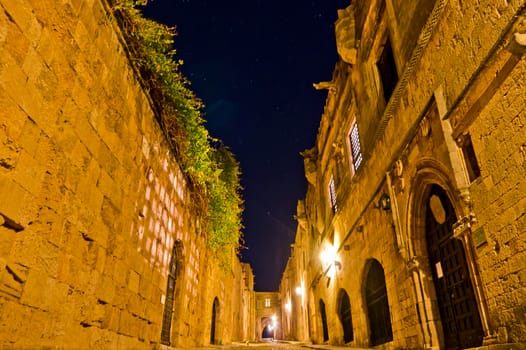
213	171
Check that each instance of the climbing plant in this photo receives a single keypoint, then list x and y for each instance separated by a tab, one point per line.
225	202
213	171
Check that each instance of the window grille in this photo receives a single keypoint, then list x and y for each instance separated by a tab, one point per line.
356	149
332	195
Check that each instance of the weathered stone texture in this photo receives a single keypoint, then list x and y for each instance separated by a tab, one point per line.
499	196
460	76
92	200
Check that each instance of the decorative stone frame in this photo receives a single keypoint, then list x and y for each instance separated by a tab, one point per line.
431	172
348	142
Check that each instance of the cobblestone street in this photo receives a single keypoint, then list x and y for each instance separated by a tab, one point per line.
277	345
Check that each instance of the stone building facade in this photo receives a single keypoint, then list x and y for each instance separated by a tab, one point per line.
268	322
99	245
293	286
412	233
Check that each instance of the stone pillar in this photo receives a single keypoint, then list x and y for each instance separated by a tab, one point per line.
462	231
424	305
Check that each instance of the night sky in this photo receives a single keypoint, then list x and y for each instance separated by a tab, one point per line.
253	62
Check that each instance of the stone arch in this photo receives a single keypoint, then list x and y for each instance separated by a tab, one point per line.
430	176
451	277
214	339
266	328
343	310
429	172
377	304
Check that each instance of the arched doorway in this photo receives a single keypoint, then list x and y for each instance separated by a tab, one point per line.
323	315
344	314
312	316
457	304
377	305
213	328
268	332
170	294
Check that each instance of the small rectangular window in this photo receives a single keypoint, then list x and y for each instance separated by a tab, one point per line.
332	195
472	165
356	149
267	302
387	68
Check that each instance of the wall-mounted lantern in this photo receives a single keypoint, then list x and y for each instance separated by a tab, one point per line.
384	202
330	260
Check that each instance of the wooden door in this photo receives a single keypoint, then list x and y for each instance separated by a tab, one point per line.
458	307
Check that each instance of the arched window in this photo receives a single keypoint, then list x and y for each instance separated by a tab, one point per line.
324	321
377	305
344	313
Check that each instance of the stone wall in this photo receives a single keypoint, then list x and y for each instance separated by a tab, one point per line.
462	81
293	287
92	200
499	136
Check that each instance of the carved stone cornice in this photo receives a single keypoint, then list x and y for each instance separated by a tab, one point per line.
310	159
415	262
463	226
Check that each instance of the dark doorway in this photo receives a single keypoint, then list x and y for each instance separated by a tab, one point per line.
324	321
215	312
344	313
169	301
378	305
268	332
458	308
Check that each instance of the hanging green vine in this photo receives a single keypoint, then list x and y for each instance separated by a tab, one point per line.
211	167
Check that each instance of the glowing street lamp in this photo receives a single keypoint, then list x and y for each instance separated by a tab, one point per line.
330	260
288	306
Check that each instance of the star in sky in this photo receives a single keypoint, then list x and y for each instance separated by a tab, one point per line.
253	64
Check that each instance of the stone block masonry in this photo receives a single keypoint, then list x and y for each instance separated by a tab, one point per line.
92	201
442	264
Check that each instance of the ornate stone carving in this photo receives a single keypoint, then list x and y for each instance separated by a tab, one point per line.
437	209
398	168
309	162
414	263
398	172
465	195
425	127
462	227
325	85
345	30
